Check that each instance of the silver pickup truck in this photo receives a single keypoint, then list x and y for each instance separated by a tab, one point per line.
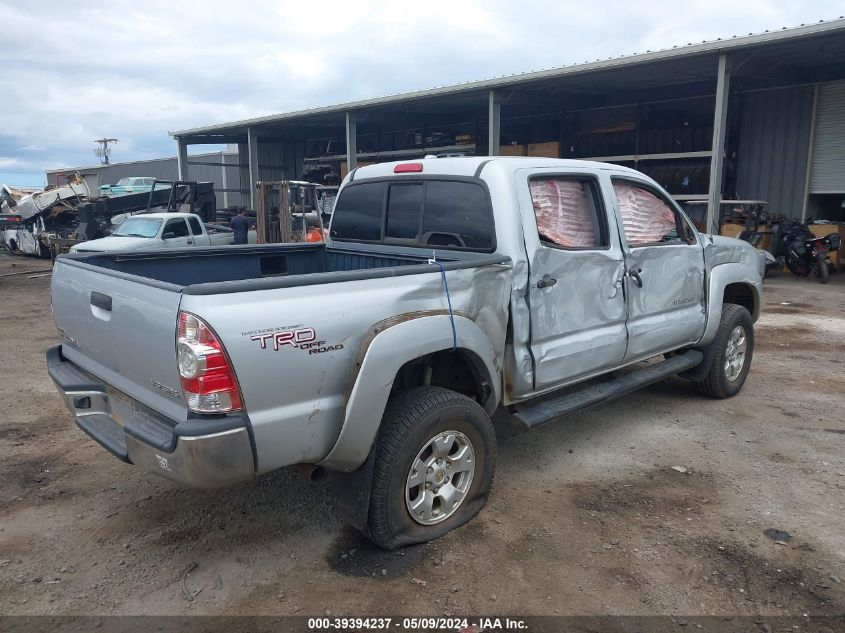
156	231
447	288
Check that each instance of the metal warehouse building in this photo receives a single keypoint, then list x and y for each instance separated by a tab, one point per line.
221	168
756	117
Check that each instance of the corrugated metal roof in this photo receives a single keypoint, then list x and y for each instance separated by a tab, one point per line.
676	52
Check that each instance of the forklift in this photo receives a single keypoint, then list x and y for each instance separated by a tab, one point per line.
289	211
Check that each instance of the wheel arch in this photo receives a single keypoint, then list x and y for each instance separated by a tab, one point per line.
731	283
742	294
390	349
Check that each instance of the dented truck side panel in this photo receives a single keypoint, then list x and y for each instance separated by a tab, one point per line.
729	261
308	352
417	337
577	322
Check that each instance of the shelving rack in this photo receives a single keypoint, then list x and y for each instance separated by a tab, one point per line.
396	153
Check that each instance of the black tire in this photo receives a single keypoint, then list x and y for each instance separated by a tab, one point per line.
411	420
822	269
717	384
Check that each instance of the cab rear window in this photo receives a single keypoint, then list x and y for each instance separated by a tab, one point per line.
447	214
358	213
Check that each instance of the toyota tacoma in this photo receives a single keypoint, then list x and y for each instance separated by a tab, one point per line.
447	288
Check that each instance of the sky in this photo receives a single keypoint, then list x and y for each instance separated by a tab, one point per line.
135	70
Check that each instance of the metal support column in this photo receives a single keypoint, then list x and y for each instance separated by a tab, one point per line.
224	180
494	124
351	141
182	158
812	143
252	145
720	119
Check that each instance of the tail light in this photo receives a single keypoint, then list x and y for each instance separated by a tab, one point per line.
208	380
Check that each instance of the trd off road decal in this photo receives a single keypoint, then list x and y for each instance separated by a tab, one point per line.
294	338
301	338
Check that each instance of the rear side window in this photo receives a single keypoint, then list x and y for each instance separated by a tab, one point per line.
567	212
196	229
451	214
177	227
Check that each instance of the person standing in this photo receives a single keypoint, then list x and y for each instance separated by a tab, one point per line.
240	227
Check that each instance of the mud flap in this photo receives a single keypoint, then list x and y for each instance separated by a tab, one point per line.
351	492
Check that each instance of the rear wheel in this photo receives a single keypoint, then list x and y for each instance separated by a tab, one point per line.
822	268
734	348
434	465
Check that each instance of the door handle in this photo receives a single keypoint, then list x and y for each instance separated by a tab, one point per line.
635	275
99	300
190	241
546	282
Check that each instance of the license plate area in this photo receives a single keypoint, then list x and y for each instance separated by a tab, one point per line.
121	406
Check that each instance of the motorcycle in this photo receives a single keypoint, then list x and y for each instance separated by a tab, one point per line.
805	253
752	235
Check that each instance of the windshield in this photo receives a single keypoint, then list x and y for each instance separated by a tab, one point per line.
123	181
138	227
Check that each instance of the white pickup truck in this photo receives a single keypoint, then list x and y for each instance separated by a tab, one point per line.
447	288
156	231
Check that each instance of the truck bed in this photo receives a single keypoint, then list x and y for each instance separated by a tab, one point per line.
215	270
117	315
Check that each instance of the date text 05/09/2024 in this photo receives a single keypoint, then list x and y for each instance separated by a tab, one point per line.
461	625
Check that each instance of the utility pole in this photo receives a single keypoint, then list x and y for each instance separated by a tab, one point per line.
103	151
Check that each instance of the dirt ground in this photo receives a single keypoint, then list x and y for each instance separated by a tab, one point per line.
587	515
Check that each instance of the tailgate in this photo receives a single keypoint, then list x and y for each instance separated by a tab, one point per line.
122	331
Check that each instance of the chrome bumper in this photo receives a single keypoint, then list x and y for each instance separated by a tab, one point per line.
152	442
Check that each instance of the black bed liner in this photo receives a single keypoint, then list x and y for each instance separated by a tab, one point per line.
227	269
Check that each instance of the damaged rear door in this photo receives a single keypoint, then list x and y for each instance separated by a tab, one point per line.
575	282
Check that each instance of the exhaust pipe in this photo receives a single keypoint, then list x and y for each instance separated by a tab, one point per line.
311	472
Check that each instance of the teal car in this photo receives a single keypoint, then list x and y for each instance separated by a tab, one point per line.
130	185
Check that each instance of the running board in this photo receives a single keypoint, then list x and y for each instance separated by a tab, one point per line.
532	415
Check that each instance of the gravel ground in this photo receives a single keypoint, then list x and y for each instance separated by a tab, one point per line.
588	516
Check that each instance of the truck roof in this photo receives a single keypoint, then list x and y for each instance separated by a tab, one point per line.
163	215
468	165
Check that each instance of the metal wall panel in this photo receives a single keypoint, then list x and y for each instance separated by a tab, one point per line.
209	168
277	160
205	168
233	181
163	169
280	160
827	173
774	140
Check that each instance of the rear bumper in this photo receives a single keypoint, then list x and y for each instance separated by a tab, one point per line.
206	452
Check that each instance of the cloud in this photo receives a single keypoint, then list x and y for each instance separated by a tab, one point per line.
133	70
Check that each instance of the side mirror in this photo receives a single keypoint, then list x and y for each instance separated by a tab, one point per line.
168	236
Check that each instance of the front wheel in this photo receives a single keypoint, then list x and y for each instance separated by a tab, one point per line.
822	268
734	347
435	456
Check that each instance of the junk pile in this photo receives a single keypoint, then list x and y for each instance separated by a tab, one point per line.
30	218
46	223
